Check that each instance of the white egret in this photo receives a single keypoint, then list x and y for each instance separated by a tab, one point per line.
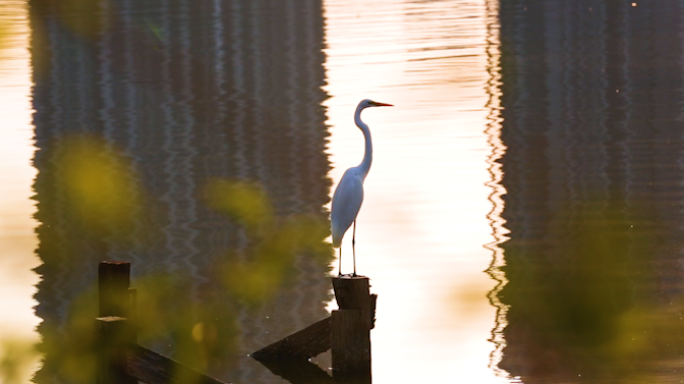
349	192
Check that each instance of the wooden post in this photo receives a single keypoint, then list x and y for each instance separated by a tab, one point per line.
133	312
115	333
114	278
346	332
351	325
115	336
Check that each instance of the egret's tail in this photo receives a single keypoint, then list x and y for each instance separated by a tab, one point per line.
337	235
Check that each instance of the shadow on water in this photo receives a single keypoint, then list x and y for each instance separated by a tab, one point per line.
592	122
303	372
188	139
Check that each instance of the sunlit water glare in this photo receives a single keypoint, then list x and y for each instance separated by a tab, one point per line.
17	238
424	223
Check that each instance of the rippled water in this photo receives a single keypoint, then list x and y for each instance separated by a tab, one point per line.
521	221
592	123
424	226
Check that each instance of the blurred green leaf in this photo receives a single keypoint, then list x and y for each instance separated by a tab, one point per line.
244	201
16	356
86	18
100	185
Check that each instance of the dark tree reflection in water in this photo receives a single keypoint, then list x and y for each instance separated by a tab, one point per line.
186	137
593	124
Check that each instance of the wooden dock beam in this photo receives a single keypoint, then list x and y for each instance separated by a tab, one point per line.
302	345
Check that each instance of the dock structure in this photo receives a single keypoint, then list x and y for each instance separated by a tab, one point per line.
346	333
120	359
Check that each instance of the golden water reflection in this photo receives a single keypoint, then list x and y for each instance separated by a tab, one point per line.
17	238
424	223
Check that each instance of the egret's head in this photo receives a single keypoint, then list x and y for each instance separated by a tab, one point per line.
370	103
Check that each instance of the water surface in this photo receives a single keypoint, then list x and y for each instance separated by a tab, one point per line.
156	101
522	217
423	227
592	124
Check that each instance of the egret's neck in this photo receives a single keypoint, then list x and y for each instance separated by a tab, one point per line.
364	167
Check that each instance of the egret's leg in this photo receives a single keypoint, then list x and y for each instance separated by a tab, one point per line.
340	270
354	246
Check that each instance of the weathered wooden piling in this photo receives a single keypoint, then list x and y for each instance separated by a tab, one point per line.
114	280
351	325
115	335
346	332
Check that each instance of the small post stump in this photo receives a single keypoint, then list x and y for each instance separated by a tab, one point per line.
114	279
351	325
115	336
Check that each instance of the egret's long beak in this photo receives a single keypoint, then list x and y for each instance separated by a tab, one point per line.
383	105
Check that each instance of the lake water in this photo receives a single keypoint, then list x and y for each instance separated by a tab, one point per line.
522	219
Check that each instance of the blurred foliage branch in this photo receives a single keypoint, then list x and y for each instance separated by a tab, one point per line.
274	241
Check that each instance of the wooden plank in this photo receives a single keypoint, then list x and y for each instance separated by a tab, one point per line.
152	368
302	345
115	336
113	283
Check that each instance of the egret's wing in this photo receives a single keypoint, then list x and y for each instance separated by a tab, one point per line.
345	204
